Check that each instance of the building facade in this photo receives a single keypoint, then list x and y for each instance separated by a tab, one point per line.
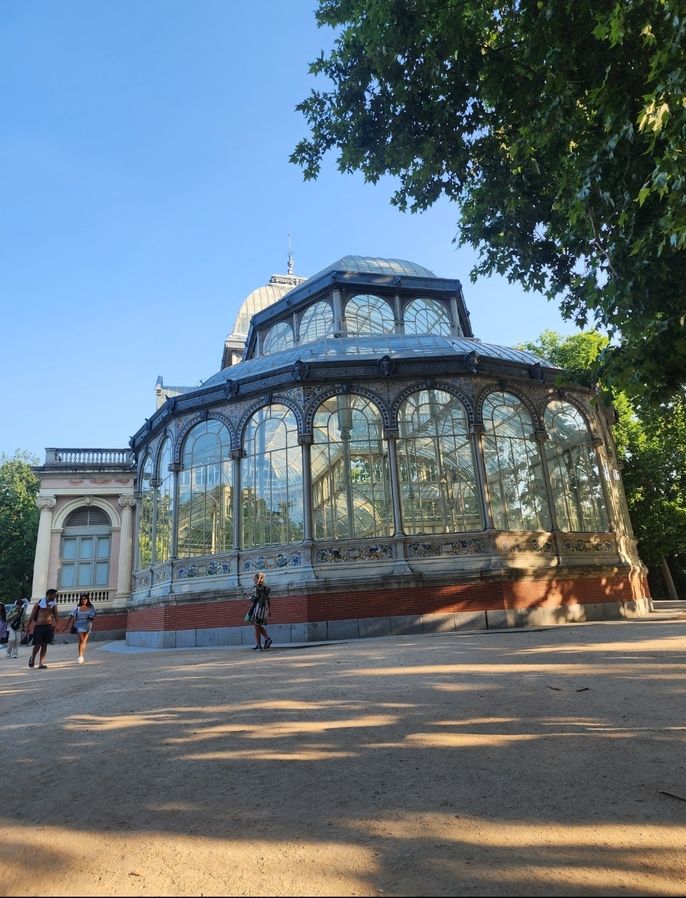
387	470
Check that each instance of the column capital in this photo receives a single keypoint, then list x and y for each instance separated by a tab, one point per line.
126	501
46	502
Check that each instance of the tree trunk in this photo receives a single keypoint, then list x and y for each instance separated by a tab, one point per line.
667	577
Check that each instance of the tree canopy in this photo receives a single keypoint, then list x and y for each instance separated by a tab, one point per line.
557	126
18	524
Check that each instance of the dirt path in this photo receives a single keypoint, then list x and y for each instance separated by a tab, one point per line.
529	762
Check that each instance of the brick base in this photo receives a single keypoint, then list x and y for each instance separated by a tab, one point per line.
318	616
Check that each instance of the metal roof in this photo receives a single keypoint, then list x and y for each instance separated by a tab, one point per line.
396	346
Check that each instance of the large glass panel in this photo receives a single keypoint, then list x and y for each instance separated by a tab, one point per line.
427	316
278	337
164	504
316	322
271	479
351	490
513	466
438	486
368	315
574	471
69	549
145	515
205	487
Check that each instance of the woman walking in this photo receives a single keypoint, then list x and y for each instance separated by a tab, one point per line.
82	617
259	612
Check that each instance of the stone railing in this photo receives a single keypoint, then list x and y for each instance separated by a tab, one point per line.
70	597
88	458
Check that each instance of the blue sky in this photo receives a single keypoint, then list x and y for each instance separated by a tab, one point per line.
146	190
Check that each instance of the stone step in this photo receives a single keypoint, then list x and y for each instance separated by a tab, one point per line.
669	604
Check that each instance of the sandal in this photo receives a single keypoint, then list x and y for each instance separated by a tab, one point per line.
42	667
31	662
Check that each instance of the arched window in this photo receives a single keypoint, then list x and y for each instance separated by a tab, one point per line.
85	556
573	469
368	315
438	486
513	466
278	337
427	316
271	479
164	496
351	491
205	487
145	515
316	322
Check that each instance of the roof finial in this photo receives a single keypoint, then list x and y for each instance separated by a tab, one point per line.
291	264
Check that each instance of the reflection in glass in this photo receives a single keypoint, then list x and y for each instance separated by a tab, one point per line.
351	490
438	487
573	469
164	504
368	315
278	337
513	466
271	479
316	323
205	487
427	316
145	515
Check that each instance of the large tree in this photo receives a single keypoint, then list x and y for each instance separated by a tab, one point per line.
18	524
651	444
557	126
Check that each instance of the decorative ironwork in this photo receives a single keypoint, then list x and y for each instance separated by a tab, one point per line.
334	554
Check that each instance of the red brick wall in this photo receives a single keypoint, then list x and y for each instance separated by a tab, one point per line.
390	602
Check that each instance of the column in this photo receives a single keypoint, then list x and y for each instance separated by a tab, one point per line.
42	558
337	314
123	592
236	512
401	565
308	537
476	433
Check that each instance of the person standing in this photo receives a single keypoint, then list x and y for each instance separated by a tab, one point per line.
4	629
259	612
16	621
45	620
83	616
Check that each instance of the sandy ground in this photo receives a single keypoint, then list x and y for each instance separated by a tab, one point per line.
527	762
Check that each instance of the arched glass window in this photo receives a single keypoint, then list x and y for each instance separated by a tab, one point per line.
316	322
513	466
278	337
573	469
205	487
427	316
145	515
438	486
85	556
165	504
351	491
271	479
368	315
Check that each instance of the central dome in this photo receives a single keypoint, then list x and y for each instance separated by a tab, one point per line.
376	265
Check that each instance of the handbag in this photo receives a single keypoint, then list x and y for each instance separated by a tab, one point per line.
73	629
